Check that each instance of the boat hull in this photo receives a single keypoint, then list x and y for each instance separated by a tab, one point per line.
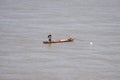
57	41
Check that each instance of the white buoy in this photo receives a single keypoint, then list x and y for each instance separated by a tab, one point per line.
91	43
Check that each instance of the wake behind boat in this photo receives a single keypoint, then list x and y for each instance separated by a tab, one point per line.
59	41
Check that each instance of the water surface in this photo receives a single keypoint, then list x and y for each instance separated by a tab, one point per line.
24	24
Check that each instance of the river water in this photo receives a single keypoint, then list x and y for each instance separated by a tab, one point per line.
93	55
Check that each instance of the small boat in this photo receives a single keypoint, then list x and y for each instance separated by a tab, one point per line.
59	41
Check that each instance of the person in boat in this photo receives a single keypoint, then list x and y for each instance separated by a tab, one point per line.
49	37
70	38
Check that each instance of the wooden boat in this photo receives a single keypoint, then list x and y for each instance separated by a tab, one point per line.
58	41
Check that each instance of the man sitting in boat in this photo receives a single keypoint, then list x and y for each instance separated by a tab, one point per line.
70	38
49	37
